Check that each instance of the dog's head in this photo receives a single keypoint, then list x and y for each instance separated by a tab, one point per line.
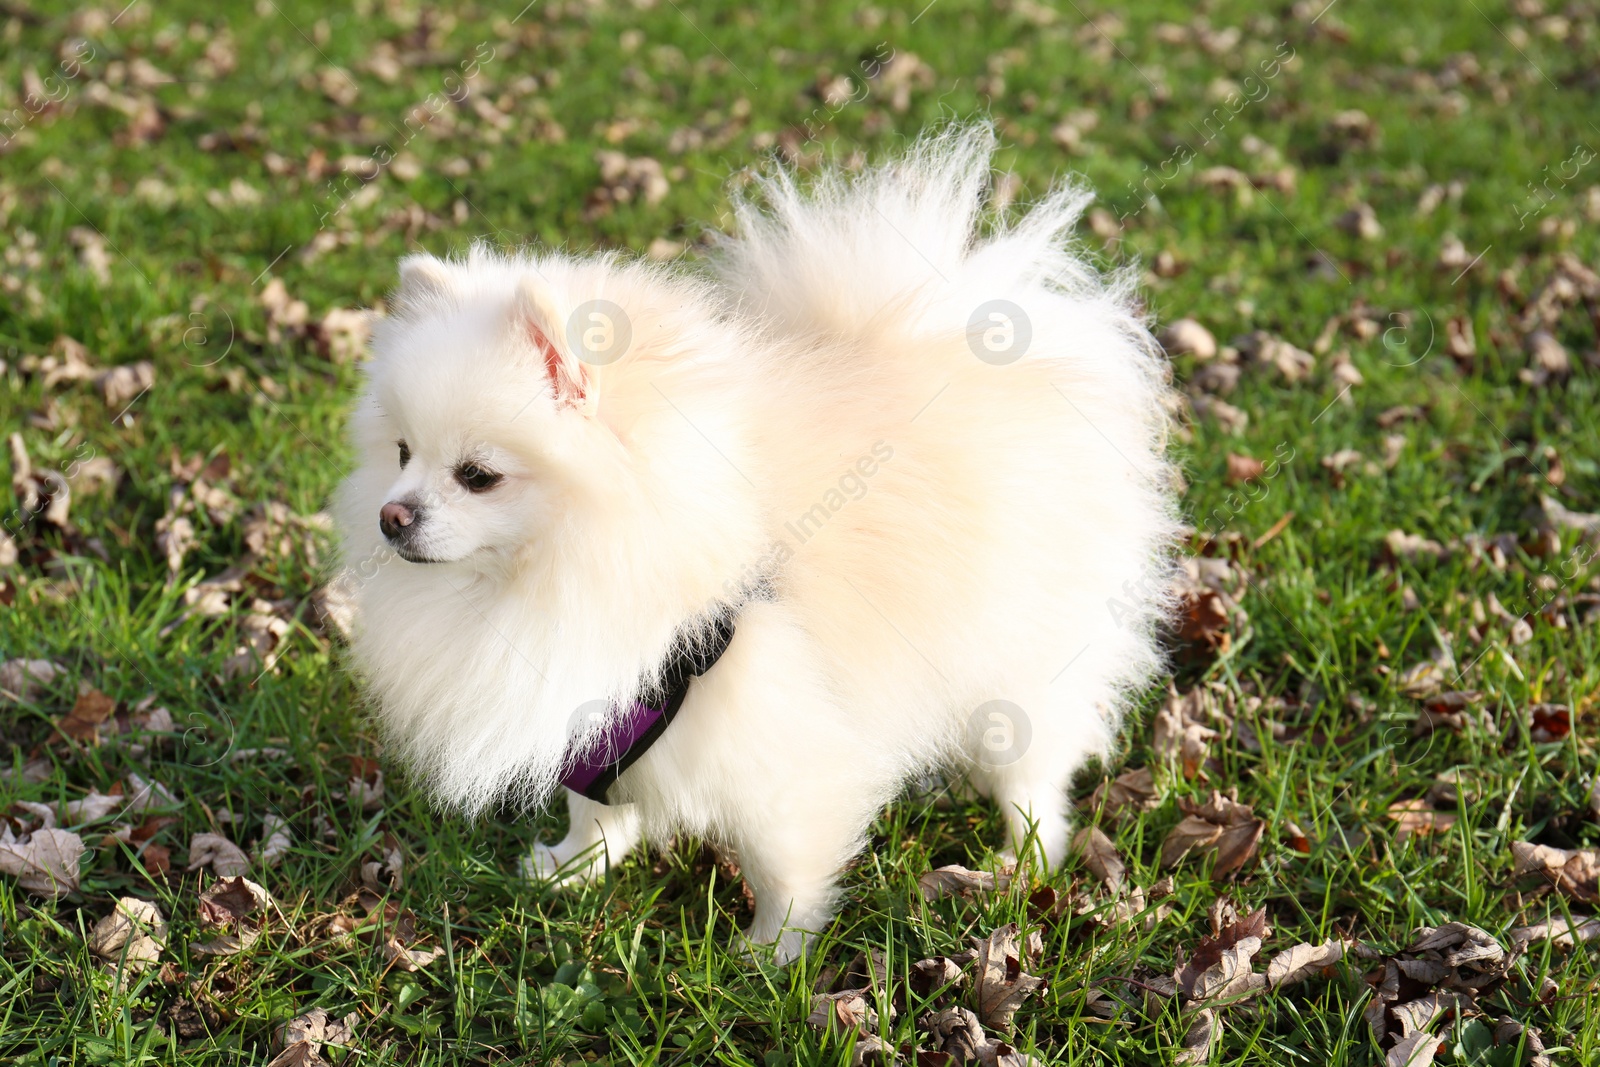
482	412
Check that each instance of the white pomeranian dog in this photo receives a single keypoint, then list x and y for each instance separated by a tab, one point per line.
740	553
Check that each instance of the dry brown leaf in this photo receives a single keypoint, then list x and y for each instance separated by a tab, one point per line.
1130	791
1189	337
1261	348
121	386
1221	964
1101	856
276	841
89	713
1549	722
44	862
1414	1050
931	975
1559	930
849	1009
409	959
1222	826
156	860
144	795
1204	1032
1231	419
1576	872
956	880
1303	961
1509	1031
1243	468
133	934
304	1036
1182	736
228	905
1000	984
230	900
959	1038
25	680
1419	817
226	859
1417	1016
1461	944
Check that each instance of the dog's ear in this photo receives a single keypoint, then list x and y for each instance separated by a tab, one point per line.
534	316
424	280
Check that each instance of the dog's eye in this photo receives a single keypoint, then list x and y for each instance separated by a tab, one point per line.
476	478
405	455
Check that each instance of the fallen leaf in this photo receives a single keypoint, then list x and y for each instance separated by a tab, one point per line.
1189	337
1232	420
1222	826
230	900
1262	348
88	714
409	959
1001	985
1101	856
1221	964
1575	872
1509	1031
1586	524
1418	817
133	934
1204	1032
1303	961
959	1038
44	862
122	385
1181	734
156	860
144	795
275	841
1451	710
304	1036
25	680
228	905
226	859
1130	791
1560	930
930	975
1549	722
1243	468
96	805
1414	1050
194	1018
956	880
849	1009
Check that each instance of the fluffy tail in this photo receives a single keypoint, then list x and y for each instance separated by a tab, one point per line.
916	234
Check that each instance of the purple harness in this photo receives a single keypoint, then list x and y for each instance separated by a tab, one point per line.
627	735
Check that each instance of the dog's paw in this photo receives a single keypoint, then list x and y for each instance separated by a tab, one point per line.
549	863
790	946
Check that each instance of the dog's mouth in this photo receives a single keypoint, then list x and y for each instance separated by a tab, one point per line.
412	556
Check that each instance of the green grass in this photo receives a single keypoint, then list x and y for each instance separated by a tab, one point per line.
634	969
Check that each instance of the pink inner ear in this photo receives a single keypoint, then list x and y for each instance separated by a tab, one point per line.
566	387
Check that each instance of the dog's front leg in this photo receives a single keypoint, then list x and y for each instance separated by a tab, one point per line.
599	835
795	900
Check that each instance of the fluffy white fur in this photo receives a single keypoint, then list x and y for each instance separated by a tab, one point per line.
965	530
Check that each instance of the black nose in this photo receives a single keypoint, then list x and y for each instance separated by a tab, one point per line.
397	520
